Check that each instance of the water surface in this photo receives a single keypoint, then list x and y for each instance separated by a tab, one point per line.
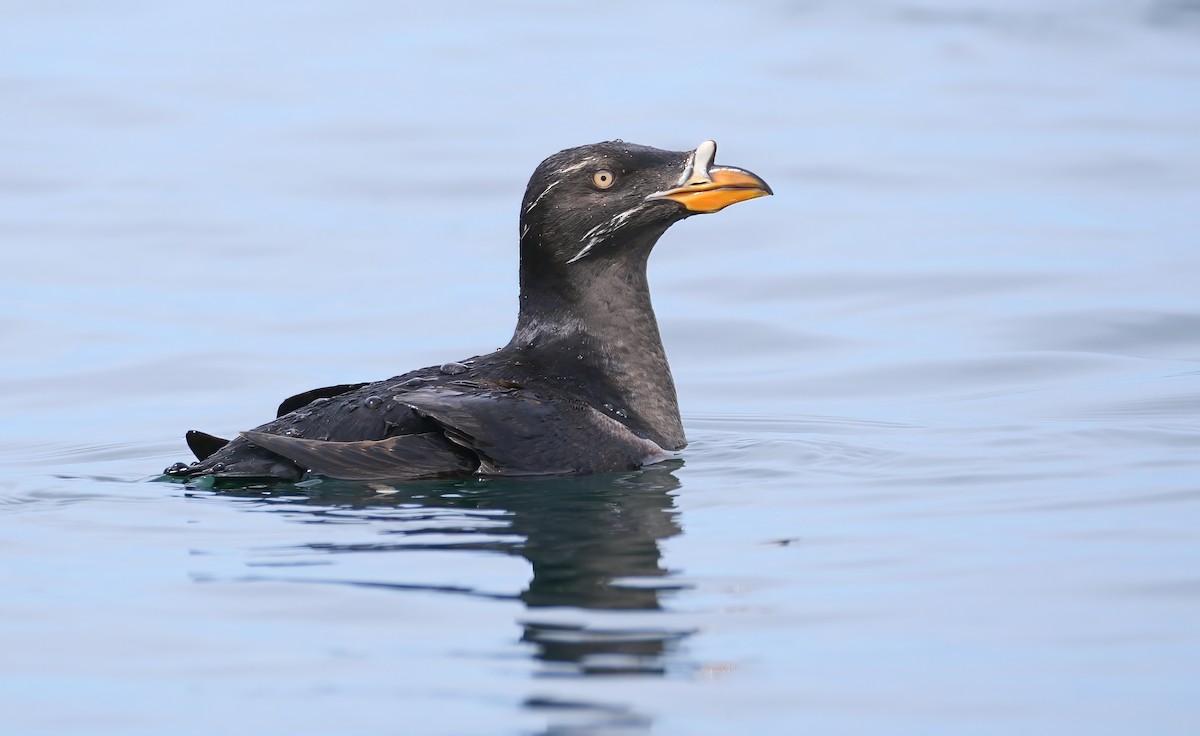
941	390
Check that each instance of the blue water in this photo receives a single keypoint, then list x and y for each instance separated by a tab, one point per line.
942	390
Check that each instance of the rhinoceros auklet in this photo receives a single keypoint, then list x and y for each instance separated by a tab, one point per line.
582	387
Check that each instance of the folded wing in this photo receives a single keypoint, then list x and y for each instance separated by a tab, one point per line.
478	428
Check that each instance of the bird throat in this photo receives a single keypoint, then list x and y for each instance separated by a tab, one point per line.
595	324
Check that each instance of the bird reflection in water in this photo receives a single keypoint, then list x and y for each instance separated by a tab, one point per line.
593	543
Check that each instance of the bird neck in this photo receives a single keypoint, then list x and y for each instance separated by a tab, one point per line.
594	322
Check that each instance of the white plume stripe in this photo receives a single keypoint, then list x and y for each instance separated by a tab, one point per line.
574	167
604	229
582	253
534	203
593	231
565	170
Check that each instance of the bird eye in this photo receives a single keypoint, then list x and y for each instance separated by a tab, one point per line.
603	179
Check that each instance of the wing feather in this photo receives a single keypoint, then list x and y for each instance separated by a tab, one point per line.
404	457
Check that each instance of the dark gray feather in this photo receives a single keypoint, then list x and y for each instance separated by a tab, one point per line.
518	431
401	458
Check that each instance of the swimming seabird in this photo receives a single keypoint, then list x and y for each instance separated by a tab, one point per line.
583	386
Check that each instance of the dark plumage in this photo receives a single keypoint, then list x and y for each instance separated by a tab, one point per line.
582	387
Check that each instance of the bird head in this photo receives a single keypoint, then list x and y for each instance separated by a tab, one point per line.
606	203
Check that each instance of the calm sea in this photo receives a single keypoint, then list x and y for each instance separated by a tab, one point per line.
942	390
